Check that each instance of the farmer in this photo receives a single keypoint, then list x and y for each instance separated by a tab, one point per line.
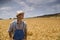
17	29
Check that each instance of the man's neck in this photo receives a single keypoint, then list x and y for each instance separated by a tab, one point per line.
19	21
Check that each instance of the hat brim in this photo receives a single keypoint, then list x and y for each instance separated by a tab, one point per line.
19	14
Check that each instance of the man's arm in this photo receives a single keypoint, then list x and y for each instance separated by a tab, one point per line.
26	32
10	30
10	34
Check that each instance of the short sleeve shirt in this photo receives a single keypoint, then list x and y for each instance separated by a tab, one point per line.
14	25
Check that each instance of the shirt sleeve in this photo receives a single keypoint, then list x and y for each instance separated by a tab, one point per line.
10	29
25	31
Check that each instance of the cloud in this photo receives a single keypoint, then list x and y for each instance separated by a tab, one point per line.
35	4
5	8
39	2
4	2
39	6
43	4
24	5
56	2
7	12
30	7
48	6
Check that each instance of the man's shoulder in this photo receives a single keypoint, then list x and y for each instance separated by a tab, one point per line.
13	22
24	22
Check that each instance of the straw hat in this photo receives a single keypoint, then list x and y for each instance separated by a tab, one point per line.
19	13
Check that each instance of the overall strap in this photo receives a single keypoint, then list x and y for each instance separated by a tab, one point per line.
23	24
22	27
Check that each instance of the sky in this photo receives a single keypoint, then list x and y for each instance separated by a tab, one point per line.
9	8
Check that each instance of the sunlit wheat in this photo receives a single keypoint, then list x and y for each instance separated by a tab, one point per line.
37	29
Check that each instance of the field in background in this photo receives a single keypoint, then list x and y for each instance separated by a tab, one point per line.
37	29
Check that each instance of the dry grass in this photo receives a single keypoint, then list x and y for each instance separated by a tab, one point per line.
37	29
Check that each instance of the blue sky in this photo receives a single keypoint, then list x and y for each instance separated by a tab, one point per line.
8	8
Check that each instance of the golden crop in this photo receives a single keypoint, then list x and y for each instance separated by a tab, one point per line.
37	29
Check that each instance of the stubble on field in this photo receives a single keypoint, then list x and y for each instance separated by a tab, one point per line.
37	29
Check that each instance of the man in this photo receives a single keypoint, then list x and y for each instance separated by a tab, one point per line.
16	27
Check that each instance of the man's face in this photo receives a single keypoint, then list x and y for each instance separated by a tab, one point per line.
21	16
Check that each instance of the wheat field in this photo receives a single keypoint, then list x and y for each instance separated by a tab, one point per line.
37	29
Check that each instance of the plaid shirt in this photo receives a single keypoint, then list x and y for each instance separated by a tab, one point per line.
14	25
